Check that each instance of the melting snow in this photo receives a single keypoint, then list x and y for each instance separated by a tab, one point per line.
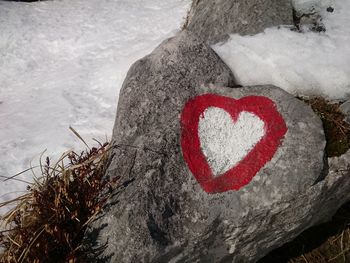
62	64
306	63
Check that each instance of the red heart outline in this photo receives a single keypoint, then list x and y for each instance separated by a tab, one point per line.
241	174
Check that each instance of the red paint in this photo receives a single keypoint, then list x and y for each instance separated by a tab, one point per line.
249	166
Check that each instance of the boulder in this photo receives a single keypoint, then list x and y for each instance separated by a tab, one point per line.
213	21
210	172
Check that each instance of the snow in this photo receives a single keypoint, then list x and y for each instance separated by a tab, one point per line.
62	64
306	63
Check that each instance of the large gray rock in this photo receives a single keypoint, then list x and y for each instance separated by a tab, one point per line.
162	213
213	21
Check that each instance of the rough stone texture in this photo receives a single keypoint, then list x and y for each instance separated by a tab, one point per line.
161	214
213	21
345	108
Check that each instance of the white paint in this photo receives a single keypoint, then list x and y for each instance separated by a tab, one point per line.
225	142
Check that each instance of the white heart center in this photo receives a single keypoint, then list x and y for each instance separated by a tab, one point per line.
225	142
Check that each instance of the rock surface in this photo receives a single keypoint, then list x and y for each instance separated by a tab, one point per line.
213	21
161	213
345	109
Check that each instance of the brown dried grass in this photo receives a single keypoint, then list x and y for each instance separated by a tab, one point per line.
47	223
337	130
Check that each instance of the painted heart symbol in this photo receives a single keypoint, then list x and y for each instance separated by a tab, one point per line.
225	142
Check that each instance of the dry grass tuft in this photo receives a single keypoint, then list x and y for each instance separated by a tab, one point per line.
337	130
48	222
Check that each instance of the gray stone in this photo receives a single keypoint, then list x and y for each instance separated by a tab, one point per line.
308	14
213	21
160	213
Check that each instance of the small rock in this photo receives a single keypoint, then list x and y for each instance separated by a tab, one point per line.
307	14
330	9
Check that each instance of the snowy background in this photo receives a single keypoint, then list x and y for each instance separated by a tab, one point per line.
62	64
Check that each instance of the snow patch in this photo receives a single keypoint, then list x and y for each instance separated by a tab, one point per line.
301	63
62	64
